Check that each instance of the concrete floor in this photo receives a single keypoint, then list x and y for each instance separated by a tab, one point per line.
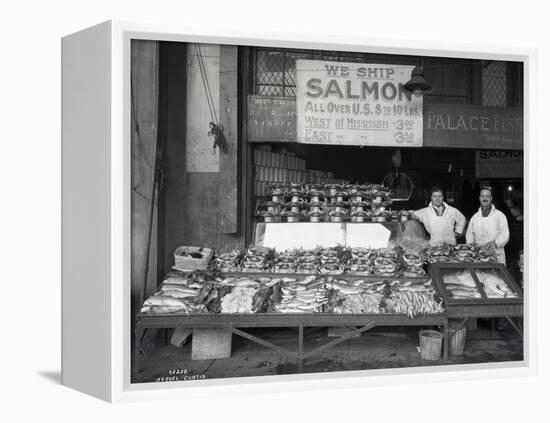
378	348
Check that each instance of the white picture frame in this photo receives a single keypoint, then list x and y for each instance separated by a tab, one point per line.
96	160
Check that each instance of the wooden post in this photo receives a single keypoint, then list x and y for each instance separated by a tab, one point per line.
228	187
172	139
144	85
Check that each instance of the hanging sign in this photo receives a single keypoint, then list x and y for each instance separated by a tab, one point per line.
472	126
499	164
356	104
271	119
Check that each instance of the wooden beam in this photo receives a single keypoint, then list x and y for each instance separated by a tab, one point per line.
172	137
144	118
338	340
228	187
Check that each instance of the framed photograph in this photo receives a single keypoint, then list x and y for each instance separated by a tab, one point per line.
241	211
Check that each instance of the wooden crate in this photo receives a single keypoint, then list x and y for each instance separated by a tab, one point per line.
210	344
478	307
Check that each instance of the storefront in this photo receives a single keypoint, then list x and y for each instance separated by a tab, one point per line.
315	154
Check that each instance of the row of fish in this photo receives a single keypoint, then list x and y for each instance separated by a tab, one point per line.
325	261
302	296
461	253
461	285
361	261
412	299
311	294
367	190
493	285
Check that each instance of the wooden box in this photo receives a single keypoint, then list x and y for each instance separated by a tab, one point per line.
209	344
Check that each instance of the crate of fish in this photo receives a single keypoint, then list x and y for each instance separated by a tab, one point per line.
191	258
477	289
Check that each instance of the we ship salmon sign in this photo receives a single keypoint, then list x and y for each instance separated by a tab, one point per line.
356	104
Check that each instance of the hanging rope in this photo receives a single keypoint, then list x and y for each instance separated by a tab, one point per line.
216	129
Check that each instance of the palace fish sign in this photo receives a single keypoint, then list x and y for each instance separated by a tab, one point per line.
356	104
472	126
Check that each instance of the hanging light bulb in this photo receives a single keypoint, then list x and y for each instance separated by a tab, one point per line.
396	158
417	85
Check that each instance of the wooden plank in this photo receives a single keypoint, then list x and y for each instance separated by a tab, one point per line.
228	186
211	344
479	286
484	310
179	336
285	320
514	325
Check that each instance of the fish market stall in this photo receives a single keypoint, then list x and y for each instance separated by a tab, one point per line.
327	257
323	256
325	287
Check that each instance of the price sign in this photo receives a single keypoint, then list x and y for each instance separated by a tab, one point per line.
356	104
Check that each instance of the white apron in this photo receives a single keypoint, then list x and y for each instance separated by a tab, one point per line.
486	232
441	232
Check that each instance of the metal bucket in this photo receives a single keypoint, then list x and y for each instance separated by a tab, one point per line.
431	342
458	341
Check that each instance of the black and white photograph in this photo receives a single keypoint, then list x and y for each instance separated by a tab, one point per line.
302	211
260	210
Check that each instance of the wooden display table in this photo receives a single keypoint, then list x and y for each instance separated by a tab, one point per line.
235	323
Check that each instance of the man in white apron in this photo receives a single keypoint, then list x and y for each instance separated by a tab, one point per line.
443	222
489	226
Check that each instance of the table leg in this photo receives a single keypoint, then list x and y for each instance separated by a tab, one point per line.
139	332
300	346
517	328
446	341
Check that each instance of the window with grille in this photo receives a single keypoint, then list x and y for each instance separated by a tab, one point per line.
275	75
452	80
275	69
494	83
